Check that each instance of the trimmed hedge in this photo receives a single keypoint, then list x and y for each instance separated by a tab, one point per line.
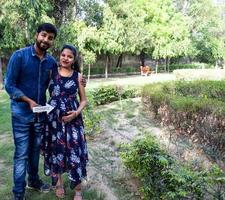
101	70
189	66
195	109
204	89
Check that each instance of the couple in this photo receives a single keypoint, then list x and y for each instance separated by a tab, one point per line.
60	135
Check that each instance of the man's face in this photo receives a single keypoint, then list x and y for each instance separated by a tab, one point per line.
44	40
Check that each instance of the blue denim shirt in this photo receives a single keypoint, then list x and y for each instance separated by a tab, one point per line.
27	75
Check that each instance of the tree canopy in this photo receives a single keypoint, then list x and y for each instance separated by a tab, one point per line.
160	29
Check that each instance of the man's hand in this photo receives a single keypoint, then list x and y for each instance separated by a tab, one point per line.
31	102
83	81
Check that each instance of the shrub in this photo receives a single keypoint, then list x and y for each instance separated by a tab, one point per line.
162	177
105	95
188	66
92	118
101	70
203	89
199	74
108	94
160	174
196	113
123	69
94	70
215	179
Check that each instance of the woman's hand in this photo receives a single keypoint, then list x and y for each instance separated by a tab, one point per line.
70	116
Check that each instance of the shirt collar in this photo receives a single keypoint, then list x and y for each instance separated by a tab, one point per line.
34	52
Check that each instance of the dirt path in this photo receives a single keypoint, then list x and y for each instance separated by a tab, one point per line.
106	171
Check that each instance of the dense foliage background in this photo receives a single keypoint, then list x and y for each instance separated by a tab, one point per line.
166	31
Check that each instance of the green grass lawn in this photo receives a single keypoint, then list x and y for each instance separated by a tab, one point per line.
6	147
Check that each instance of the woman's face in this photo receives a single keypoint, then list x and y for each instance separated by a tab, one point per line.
66	58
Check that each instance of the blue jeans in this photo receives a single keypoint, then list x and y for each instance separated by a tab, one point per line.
27	138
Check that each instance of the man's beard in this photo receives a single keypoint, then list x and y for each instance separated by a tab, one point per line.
39	45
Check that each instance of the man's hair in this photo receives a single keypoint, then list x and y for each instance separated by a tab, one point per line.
50	28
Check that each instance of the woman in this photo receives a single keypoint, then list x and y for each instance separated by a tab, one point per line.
64	144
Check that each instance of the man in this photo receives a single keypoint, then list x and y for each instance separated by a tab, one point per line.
26	82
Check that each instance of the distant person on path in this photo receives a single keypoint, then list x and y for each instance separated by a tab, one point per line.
145	70
63	144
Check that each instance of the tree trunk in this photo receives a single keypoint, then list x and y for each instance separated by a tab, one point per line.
185	7
1	76
89	72
168	64
106	66
119	61
63	10
156	66
142	58
165	65
110	64
80	58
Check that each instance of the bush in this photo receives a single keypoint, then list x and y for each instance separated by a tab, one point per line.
94	70
189	66
164	178
124	70
101	70
199	74
105	95
109	94
202	89
92	118
160	175
195	109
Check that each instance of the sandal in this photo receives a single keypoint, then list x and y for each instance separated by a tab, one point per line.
59	191
78	195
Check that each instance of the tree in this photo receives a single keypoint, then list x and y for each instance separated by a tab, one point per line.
63	11
110	36
91	11
153	28
18	23
89	58
169	31
207	28
83	37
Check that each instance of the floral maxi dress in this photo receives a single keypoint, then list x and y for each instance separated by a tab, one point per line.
63	144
